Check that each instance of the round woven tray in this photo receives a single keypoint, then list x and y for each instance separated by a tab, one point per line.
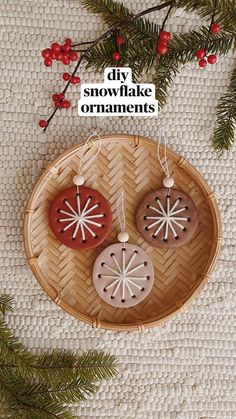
128	163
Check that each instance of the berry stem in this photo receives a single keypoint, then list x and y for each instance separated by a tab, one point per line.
211	23
105	35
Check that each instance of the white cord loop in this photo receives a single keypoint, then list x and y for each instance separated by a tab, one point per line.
164	165
83	168
123	236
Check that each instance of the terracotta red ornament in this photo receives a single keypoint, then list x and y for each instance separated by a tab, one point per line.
123	273
166	217
80	217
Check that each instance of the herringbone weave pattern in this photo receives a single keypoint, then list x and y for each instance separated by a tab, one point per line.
129	164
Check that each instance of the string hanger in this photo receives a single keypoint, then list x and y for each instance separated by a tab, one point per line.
123	236
168	180
79	179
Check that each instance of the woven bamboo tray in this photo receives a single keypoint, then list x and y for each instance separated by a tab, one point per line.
128	163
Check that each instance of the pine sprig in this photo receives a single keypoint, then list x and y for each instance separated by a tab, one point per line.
112	12
64	365
225	11
223	136
5	303
37	387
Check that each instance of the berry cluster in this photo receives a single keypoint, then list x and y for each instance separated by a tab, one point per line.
162	43
119	42
201	53
58	52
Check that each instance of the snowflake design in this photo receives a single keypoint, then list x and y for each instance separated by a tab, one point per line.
80	218
167	219
122	275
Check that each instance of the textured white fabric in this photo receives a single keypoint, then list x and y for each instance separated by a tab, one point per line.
185	369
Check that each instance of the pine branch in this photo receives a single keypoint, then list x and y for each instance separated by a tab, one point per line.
5	303
225	11
182	50
223	135
112	12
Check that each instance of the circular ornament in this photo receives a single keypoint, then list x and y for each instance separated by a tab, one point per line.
123	275
80	217
166	218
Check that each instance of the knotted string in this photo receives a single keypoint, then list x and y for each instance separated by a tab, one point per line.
83	168
121	211
164	165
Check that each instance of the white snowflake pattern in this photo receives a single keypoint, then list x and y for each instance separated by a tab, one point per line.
81	218
167	219
122	275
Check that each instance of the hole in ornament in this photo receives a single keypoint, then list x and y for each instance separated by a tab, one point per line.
133	296
112	297
104	289
73	238
123	300
164	240
157	198
186	208
123	249
102	225
84	241
188	219
62	231
103	263
176	237
142	289
180	198
58	221
145	217
65	201
167	196
145	263
148	206
95	236
146	228
90	197
153	235
78	194
184	229
136	252
99	275
112	254
147	277
104	215
59	210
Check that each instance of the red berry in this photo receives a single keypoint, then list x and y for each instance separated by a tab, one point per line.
42	123
65	104
48	62
66	47
58	55
65	58
215	28
164	36
200	53
55	97
212	59
73	55
46	53
56	47
53	55
61	96
68	41
75	80
116	56
202	63
120	40
162	49
57	103
66	76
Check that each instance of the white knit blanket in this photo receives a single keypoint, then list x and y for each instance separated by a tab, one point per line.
183	370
